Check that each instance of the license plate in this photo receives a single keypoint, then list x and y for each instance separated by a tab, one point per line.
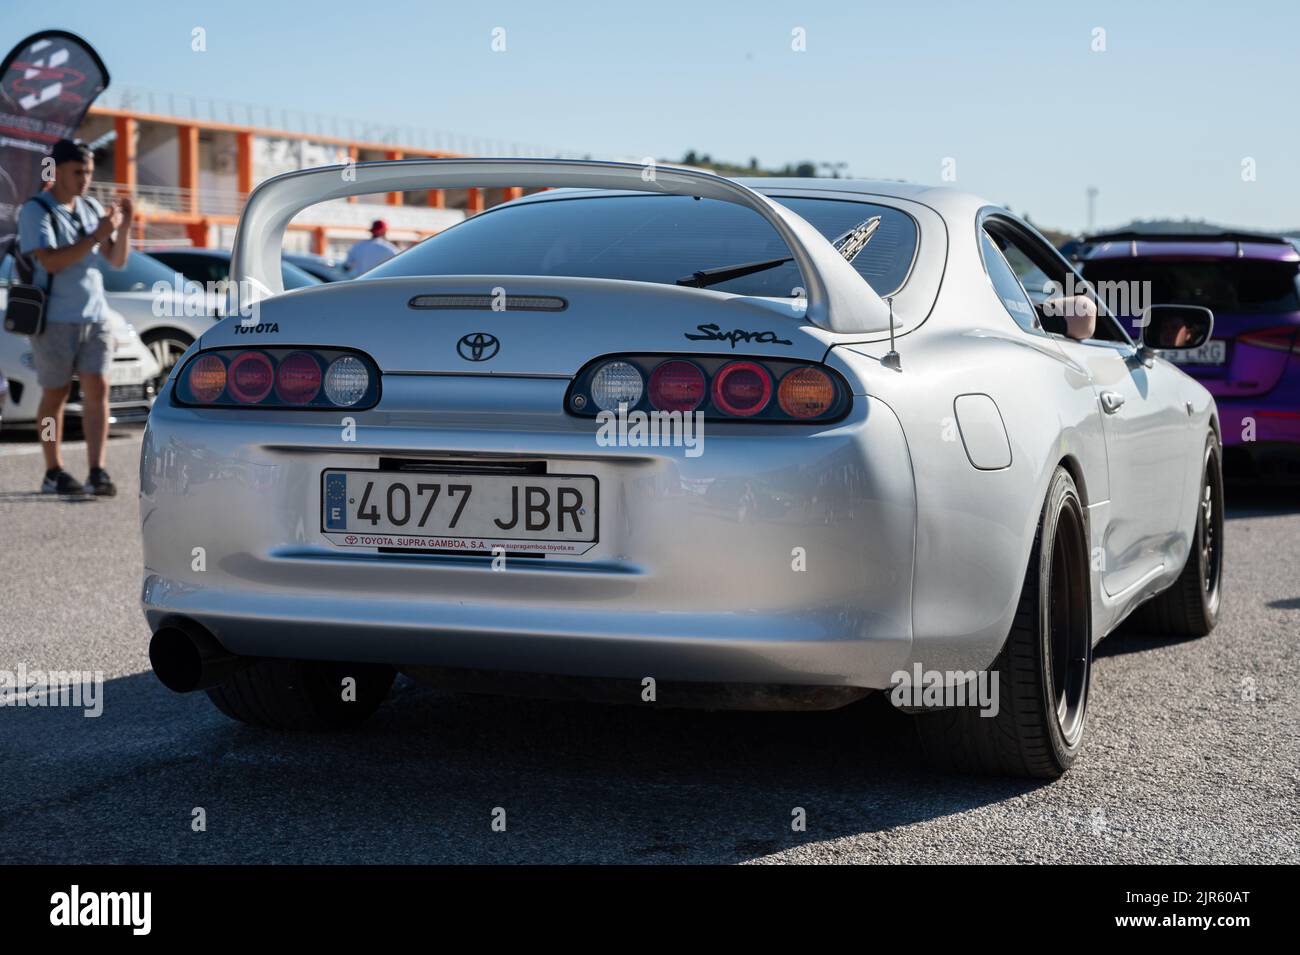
1211	353
534	513
125	374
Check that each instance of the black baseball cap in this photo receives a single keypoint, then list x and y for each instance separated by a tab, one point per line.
70	150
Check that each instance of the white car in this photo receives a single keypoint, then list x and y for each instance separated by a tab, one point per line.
132	381
167	322
172	296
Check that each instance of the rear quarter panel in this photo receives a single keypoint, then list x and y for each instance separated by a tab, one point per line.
975	528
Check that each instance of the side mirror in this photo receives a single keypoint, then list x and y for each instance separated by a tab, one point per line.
1175	326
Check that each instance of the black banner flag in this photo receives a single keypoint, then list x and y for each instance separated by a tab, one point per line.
47	82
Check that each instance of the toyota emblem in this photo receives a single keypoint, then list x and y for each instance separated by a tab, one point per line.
477	346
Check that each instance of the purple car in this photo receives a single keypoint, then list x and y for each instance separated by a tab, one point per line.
1252	363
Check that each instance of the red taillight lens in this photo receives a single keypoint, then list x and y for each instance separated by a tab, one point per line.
1274	339
742	388
806	393
676	386
207	378
298	379
250	377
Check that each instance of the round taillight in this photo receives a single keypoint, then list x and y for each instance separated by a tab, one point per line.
206	378
250	377
676	385
346	381
806	393
297	380
616	383
742	388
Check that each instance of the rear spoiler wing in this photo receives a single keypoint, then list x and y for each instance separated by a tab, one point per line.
838	299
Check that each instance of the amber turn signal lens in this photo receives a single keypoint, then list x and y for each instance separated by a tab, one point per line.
207	378
806	393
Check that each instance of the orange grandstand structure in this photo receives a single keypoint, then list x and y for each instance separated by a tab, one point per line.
189	177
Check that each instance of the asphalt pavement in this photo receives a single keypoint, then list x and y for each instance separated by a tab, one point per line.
1192	750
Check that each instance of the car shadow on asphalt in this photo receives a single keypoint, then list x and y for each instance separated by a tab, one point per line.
1260	500
419	782
1131	637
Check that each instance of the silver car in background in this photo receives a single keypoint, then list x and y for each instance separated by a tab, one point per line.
905	462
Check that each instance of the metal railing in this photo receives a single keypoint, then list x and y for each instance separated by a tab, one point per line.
307	124
174	199
335	213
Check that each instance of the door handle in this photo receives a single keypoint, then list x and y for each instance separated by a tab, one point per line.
1111	401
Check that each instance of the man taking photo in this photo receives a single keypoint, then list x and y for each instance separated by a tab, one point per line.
62	229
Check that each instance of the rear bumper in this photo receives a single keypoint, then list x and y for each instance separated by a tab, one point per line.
1247	422
694	577
1266	419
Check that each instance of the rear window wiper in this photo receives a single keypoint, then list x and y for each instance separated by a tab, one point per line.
849	245
706	277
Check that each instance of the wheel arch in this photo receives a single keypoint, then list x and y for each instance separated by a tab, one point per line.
1074	468
158	331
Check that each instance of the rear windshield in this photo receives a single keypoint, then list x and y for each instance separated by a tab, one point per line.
1230	287
654	239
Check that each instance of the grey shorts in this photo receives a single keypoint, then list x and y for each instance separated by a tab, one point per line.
65	347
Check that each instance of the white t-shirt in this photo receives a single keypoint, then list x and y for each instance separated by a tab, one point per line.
364	256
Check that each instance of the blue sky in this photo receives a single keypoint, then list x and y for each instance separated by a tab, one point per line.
1012	92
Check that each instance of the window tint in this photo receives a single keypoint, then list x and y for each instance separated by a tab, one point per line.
1240	287
654	239
197	268
1033	279
294	277
1007	285
138	275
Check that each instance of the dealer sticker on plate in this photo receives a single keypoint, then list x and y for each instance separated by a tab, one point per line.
475	513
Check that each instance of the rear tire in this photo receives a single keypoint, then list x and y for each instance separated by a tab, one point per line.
1190	606
1044	671
303	694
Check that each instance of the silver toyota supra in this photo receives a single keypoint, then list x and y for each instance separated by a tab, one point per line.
658	436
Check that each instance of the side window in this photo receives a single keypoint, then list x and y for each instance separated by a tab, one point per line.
1007	285
1044	276
200	268
1035	281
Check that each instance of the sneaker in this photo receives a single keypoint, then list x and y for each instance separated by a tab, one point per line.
99	483
59	481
